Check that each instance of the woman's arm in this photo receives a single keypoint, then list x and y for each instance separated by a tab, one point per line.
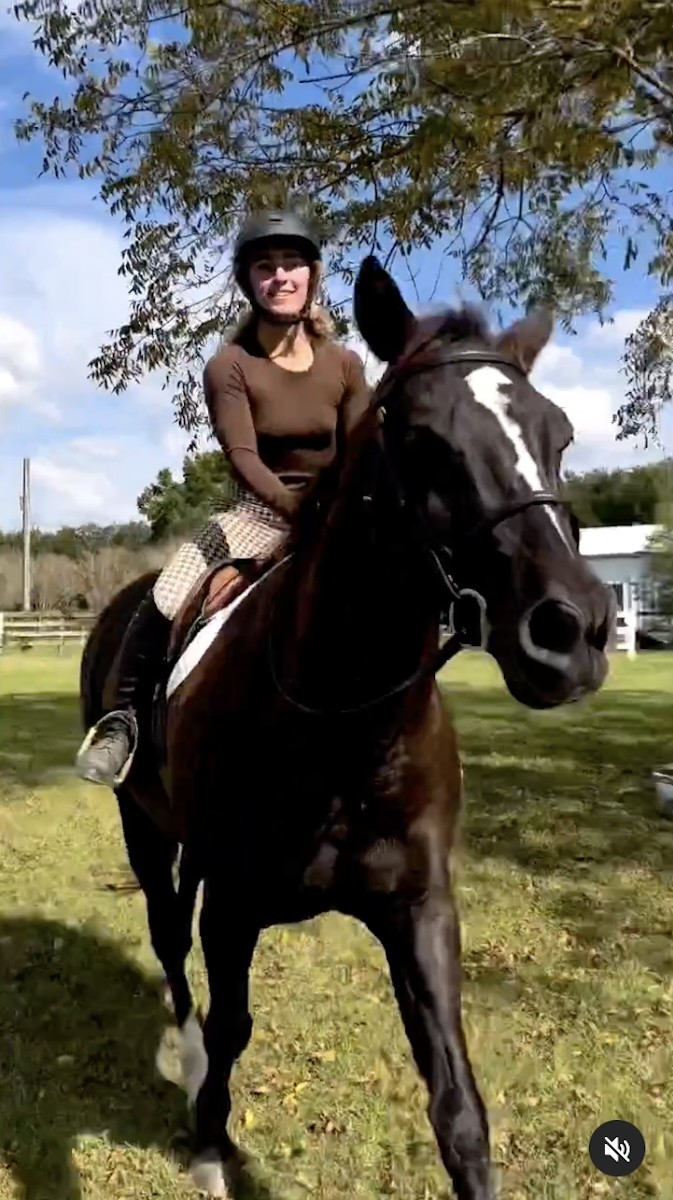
357	395
229	409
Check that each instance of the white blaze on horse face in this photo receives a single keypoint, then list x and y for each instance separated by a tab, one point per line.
486	385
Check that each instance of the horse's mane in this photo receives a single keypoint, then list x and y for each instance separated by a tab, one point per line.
456	325
453	325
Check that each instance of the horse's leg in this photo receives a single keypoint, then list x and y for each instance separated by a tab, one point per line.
422	945
228	949
169	916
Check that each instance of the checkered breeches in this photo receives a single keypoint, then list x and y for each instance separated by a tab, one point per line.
243	528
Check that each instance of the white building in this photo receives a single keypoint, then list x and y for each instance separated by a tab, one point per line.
621	556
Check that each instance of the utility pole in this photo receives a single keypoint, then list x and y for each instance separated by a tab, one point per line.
25	509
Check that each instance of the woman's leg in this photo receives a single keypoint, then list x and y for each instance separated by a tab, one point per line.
107	751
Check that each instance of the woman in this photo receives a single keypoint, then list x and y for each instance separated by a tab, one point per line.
282	395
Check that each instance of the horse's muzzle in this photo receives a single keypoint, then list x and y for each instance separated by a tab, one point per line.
559	654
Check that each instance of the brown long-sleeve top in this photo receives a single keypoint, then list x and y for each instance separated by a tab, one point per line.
278	427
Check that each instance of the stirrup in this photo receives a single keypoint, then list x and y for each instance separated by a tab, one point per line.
130	720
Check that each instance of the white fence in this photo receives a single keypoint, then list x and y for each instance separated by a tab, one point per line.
28	629
625	632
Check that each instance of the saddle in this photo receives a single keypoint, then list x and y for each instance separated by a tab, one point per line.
218	587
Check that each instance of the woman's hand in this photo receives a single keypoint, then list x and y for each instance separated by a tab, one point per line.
291	501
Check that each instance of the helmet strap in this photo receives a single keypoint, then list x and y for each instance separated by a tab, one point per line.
286	320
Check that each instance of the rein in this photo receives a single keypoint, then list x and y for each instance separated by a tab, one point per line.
461	621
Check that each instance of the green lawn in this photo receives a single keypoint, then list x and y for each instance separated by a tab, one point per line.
565	885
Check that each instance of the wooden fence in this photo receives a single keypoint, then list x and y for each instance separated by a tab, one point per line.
28	629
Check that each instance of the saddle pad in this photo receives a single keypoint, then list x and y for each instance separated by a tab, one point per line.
198	645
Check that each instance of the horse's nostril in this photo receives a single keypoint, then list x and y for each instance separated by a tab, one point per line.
555	626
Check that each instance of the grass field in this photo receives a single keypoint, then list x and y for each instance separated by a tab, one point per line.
565	886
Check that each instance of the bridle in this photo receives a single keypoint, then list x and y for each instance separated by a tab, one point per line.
464	603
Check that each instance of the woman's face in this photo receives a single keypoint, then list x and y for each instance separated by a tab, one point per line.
280	280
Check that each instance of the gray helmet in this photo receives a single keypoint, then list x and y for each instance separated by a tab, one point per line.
266	228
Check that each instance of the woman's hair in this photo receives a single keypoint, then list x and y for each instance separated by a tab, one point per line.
317	320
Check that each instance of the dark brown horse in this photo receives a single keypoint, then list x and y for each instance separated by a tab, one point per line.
310	763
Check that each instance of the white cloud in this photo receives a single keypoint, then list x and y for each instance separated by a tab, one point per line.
59	280
60	294
84	495
91	479
94	447
585	380
614	333
20	361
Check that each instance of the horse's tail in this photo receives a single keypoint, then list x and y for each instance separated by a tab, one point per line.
103	643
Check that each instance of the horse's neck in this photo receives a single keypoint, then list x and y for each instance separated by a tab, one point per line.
362	615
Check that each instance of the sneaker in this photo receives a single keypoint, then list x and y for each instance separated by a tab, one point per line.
105	754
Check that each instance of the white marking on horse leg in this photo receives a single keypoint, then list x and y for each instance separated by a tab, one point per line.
175	869
207	1173
193	1058
486	384
167	997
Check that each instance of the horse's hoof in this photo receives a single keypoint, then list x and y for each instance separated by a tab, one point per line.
207	1174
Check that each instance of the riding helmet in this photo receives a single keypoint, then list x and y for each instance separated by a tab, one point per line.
267	229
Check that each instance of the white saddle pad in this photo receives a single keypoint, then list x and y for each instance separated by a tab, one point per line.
206	636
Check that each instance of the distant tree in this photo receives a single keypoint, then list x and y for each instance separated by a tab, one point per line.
75	540
131	536
620	497
11	579
172	507
648	362
163	504
661	568
55	582
103	572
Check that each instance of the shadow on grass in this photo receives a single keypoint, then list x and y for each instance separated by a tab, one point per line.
80	1023
81	1026
38	734
550	792
556	791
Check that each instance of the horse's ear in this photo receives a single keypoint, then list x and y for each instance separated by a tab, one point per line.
524	340
381	315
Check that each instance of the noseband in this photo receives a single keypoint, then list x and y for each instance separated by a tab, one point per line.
463	602
441	556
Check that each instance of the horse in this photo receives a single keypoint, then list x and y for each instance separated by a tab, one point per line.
310	764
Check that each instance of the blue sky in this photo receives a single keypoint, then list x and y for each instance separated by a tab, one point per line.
93	452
